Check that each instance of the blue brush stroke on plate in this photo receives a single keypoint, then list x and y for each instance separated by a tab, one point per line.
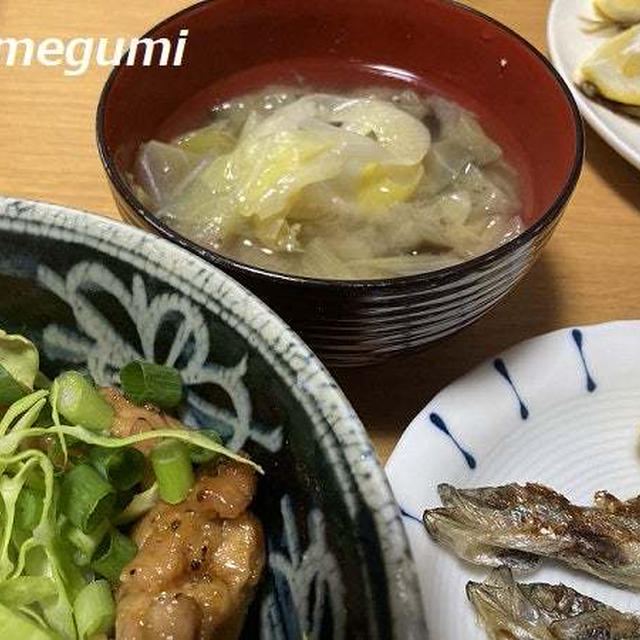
439	422
406	514
501	368
578	338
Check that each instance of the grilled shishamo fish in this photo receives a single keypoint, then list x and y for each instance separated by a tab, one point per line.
509	610
514	525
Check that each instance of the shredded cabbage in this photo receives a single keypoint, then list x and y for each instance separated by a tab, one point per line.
19	362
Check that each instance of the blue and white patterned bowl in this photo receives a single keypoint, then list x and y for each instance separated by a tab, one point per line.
95	294
562	409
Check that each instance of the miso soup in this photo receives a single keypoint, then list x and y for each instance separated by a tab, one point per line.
373	184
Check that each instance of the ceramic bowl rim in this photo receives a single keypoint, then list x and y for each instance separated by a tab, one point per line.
275	339
454	272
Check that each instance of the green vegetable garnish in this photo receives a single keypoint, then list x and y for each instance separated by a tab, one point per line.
19	364
140	504
12	441
10	389
87	543
200	456
18	626
18	592
10	488
19	408
28	509
94	609
41	381
123	468
145	382
172	465
79	402
86	498
114	552
58	509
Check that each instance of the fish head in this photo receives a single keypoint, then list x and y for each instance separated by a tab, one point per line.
504	610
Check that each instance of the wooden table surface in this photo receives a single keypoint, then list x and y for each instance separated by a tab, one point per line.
588	273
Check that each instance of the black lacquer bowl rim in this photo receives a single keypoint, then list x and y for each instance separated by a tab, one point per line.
422	280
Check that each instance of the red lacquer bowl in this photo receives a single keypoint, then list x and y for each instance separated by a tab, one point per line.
433	45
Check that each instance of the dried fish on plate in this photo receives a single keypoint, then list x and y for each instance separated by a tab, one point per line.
509	610
514	525
611	74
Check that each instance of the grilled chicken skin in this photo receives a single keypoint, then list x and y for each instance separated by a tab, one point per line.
199	561
197	565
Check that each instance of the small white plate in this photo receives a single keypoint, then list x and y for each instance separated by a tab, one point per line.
569	45
562	409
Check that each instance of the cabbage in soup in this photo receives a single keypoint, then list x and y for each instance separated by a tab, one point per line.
373	184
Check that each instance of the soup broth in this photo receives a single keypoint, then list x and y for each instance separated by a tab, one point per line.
376	183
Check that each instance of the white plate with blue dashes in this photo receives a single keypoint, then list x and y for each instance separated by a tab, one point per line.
562	409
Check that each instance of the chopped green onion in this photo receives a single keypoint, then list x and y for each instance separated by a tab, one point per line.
94	610
86	498
60	552
87	543
123	499
114	552
80	403
174	473
17	626
146	382
199	455
140	504
123	468
10	389
18	592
